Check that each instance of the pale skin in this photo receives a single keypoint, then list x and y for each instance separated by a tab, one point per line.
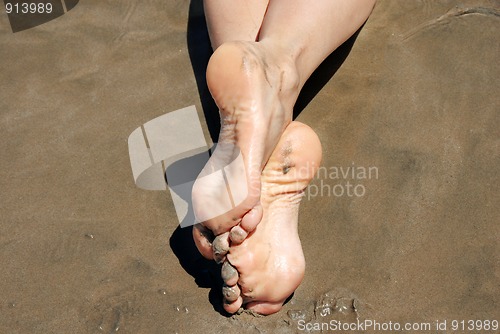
270	263
264	53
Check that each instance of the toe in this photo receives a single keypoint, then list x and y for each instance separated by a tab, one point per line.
234	306
248	223
220	247
252	218
229	274
231	293
237	234
203	238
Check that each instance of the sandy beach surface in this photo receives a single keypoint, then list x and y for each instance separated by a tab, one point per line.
401	226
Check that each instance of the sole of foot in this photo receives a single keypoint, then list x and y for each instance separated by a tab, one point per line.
261	272
255	88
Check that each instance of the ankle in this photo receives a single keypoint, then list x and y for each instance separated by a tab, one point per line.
285	60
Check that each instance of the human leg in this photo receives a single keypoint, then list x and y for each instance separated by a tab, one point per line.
309	31
234	20
256	84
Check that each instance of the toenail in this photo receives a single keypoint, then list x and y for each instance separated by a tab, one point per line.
227	271
221	244
230	293
237	234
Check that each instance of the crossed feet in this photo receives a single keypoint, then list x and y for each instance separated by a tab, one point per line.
257	239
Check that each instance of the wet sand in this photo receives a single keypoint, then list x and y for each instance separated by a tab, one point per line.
85	251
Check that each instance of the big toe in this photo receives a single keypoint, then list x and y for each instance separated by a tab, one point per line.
203	238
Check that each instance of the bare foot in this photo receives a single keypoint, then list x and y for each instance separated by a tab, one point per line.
265	269
255	87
